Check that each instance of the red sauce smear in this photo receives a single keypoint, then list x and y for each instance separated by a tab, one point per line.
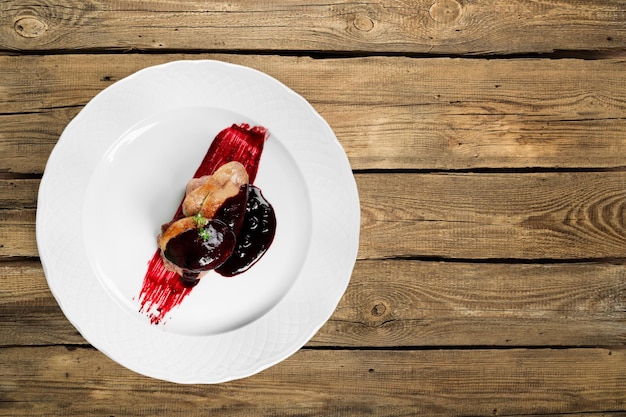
163	290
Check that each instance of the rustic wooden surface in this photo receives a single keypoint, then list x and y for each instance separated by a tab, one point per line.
488	141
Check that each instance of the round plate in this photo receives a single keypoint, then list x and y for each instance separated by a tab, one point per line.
118	172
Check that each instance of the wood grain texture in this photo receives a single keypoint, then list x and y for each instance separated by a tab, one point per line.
28	311
28	137
314	382
17	233
527	216
388	112
403	303
413	303
18	193
415	26
565	215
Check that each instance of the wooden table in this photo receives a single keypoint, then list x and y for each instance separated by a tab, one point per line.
488	142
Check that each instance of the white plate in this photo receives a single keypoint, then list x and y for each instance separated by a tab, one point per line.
118	172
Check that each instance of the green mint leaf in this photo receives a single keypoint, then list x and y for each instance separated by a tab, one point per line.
204	234
199	220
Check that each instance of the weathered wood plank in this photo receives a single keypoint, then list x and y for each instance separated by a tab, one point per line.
404	303
29	314
417	26
565	215
409	303
27	138
80	382
18	193
387	112
17	233
527	216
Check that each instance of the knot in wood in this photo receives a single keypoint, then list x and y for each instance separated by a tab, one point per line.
445	11
29	27
379	309
363	23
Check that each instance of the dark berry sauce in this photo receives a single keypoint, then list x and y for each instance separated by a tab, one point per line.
163	290
255	237
196	252
233	210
